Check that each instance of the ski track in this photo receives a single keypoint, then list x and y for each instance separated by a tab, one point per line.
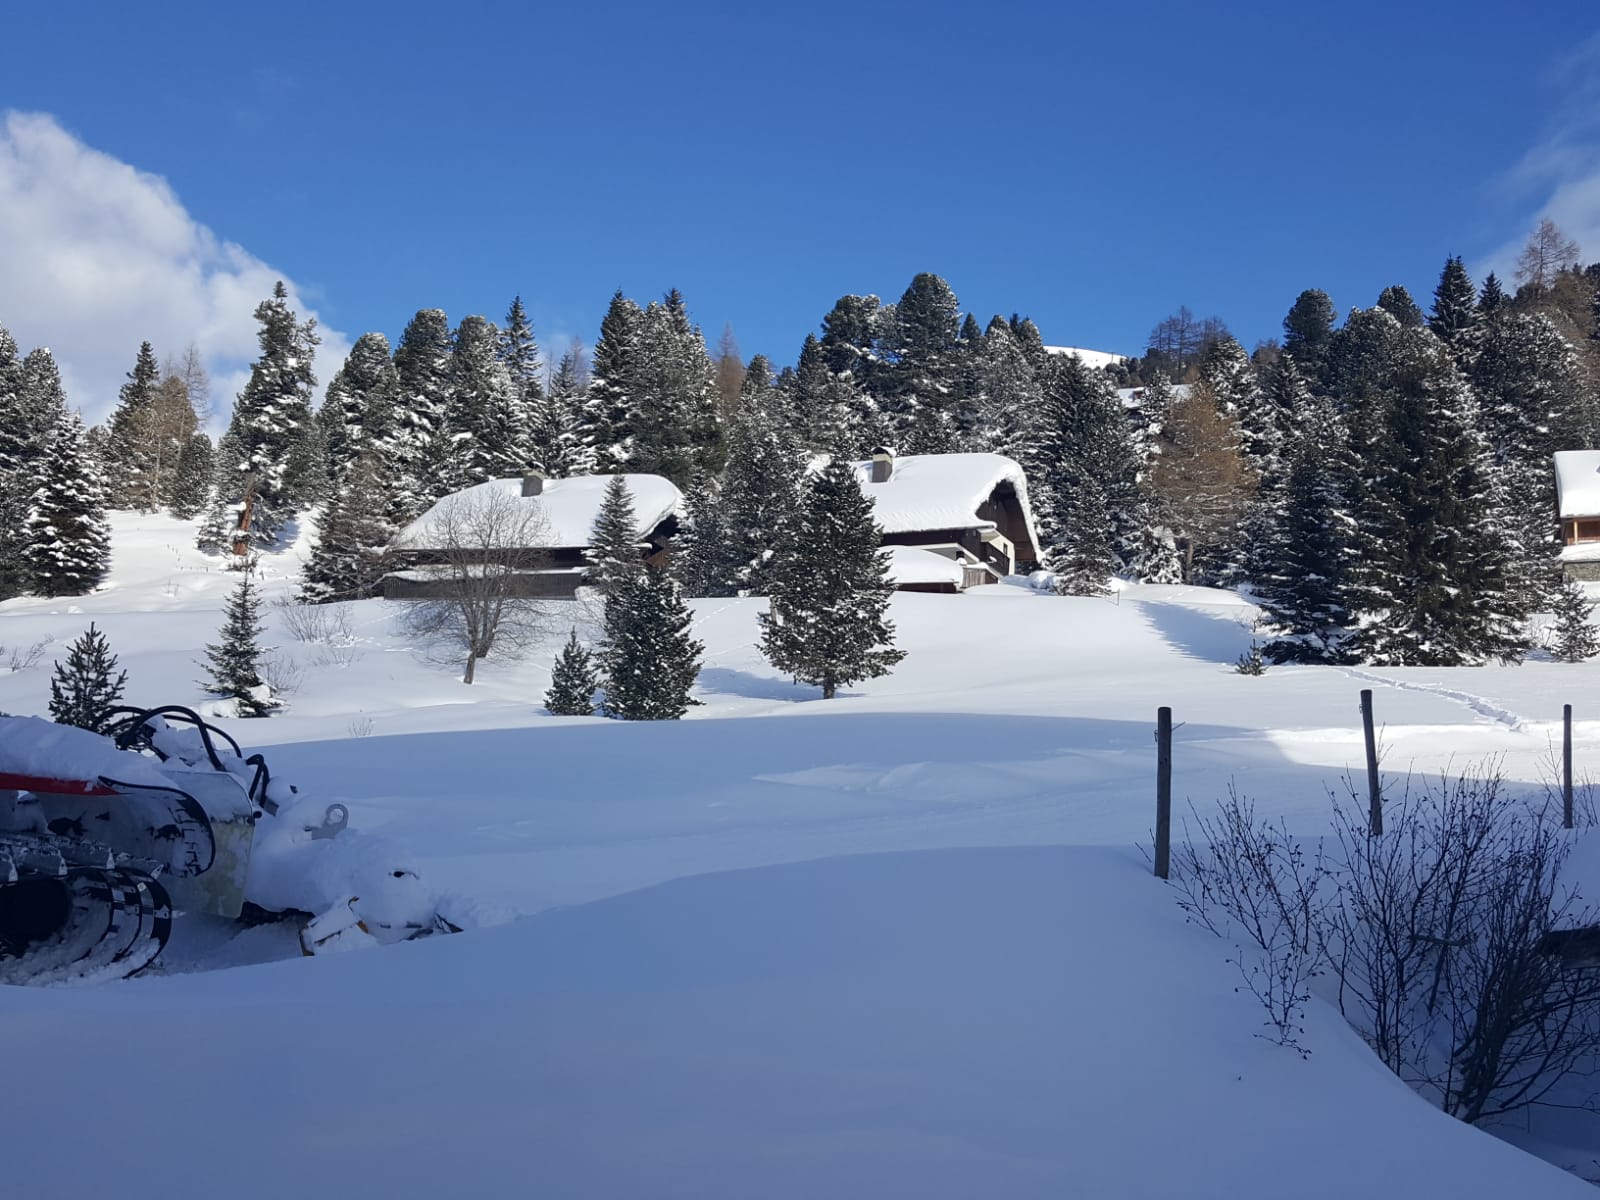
1477	704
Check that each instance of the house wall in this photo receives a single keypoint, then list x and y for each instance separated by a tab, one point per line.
557	585
1583	572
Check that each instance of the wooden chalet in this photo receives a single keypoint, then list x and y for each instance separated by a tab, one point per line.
1578	509
950	521
566	509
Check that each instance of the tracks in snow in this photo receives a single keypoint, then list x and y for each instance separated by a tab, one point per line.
1480	706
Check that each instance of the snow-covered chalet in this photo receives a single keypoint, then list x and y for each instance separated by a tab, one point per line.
950	521
564	512
1578	505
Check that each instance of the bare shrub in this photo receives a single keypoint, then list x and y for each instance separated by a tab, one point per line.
1249	881
481	546
316	624
283	675
1452	943
24	658
360	727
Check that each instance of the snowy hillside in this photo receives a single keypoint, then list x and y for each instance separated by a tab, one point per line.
1093	359
899	943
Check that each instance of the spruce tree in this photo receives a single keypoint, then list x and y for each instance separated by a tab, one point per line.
1397	302
650	658
130	445
759	497
68	543
350	556
518	352
418	444
827	623
613	551
1575	636
920	395
265	462
1303	572
360	408
486	420
234	661
191	486
83	690
1456	318
1437	581
608	421
1008	393
555	441
31	409
706	559
1308	330
1493	297
573	681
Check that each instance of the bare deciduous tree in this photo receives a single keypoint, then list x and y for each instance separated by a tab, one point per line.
1203	479
1548	252
481	547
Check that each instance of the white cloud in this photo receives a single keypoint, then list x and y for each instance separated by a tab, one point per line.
97	256
1560	176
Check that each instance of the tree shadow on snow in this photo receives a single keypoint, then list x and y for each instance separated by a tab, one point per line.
728	681
1196	634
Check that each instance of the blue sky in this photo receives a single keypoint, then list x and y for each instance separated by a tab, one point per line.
1092	167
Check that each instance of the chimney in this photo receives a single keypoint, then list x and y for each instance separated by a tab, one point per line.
882	465
533	482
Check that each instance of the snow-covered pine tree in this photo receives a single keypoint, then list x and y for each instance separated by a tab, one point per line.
607	422
519	354
83	690
130	443
676	418
828	620
68	543
359	410
1082	434
573	681
1535	400
613	551
191	485
920	395
555	441
1493	297
30	411
1302	575
1307	331
350	557
234	661
650	657
705	560
418	443
1397	302
1008	395
1575	637
486	418
1436	582
1456	319
265	470
759	497
832	416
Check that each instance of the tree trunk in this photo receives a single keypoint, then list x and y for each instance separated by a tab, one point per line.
827	689
472	667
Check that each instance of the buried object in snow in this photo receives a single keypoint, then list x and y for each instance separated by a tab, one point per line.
103	838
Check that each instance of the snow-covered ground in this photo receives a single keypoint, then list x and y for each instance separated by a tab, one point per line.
900	943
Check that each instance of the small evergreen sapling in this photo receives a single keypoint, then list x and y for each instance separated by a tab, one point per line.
573	681
84	690
1576	638
235	660
650	658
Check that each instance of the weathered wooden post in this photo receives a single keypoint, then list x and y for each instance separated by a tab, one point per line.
1163	792
1374	788
1566	765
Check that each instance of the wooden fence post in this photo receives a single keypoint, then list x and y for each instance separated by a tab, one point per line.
1163	792
1374	788
1566	765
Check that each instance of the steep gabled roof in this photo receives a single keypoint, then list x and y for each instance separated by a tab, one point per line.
940	491
1578	483
569	507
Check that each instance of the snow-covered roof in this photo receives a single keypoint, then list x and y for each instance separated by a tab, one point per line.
569	507
940	491
1093	359
1131	397
908	564
1578	482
